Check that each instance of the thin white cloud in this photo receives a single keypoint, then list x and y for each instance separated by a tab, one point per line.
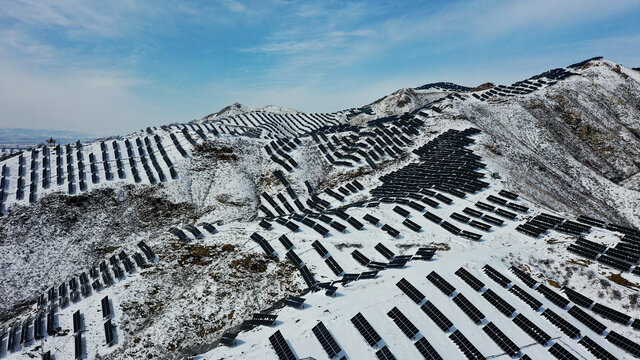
64	101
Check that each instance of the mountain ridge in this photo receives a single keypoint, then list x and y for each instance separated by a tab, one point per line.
222	219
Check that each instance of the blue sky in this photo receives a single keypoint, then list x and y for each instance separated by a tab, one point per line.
113	67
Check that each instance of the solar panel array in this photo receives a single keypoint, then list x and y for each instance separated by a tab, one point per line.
281	347
499	303
598	351
466	346
411	291
468	308
554	297
586	319
622	342
405	325
494	275
427	350
561	353
436	316
471	280
561	323
365	329
501	339
525	297
531	329
441	283
385	354
327	341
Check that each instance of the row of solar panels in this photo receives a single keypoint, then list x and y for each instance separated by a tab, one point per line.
69	174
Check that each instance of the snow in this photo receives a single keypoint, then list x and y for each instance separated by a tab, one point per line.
181	304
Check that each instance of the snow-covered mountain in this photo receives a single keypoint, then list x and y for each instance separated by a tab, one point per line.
441	221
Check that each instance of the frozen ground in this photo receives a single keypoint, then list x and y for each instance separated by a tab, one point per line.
568	149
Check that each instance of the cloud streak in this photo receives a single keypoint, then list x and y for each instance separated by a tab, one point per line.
119	66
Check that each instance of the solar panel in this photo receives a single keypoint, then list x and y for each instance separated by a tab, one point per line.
388	254
78	346
595	349
444	199
526	279
460	217
480	225
614	262
391	231
471	280
294	301
624	343
468	308
320	230
410	290
411	225
367	275
414	205
264	244
485	206
499	303
577	298
333	265
365	329
427	350
294	258
555	298
433	217
636	324
432	203
363	260
106	308
525	297
371	219
77	323
281	346
385	354
258	319
611	314
327	341
506	214
441	283
307	276
285	242
322	251
586	319
228	338
450	228
492	220
465	345
436	316
496	200
472	212
501	339
561	353
405	325
531	329
494	275
507	194
401	211
561	323
338	226
108	332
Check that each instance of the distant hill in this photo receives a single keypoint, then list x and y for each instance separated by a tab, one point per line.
14	140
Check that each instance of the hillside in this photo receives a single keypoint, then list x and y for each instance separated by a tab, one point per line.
440	222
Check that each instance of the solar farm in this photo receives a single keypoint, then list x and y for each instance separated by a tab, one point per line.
319	236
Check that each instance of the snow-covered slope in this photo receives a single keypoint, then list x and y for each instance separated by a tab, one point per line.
188	240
